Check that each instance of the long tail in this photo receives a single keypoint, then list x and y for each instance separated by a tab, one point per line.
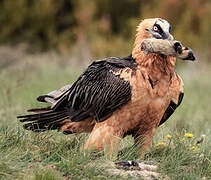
45	119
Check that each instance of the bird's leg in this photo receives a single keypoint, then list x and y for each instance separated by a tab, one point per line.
143	139
104	138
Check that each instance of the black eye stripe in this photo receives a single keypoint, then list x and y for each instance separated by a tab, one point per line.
161	32
159	28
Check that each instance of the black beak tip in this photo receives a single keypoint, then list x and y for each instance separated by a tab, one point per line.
190	56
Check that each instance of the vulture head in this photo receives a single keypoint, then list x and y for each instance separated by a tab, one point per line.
153	28
159	29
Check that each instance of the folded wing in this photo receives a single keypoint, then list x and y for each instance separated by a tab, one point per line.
97	93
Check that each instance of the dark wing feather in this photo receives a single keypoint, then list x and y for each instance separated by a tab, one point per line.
98	91
171	108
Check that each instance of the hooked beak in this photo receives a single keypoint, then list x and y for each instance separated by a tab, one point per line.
185	53
190	55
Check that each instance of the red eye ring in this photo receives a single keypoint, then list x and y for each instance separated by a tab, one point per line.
155	28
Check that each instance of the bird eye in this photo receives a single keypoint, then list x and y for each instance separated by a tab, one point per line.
155	28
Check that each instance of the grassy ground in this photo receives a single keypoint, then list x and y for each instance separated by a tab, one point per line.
52	155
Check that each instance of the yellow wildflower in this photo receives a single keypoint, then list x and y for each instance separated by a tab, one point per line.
188	135
194	148
168	136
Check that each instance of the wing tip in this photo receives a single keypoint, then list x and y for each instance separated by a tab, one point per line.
41	98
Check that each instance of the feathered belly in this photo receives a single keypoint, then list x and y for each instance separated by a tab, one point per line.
146	107
141	114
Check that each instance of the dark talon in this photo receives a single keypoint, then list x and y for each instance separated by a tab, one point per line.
127	163
134	163
178	47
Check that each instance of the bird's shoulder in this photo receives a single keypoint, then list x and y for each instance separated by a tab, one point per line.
97	70
176	93
113	63
105	72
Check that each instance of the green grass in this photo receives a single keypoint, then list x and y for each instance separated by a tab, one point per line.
52	155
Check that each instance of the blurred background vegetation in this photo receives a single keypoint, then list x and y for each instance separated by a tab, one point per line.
45	44
100	27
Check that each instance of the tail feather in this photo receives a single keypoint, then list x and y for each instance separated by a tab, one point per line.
44	121
39	110
39	116
43	126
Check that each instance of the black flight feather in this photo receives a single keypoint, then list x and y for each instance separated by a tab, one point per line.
97	92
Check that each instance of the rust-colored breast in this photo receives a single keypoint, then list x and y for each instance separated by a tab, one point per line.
147	104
